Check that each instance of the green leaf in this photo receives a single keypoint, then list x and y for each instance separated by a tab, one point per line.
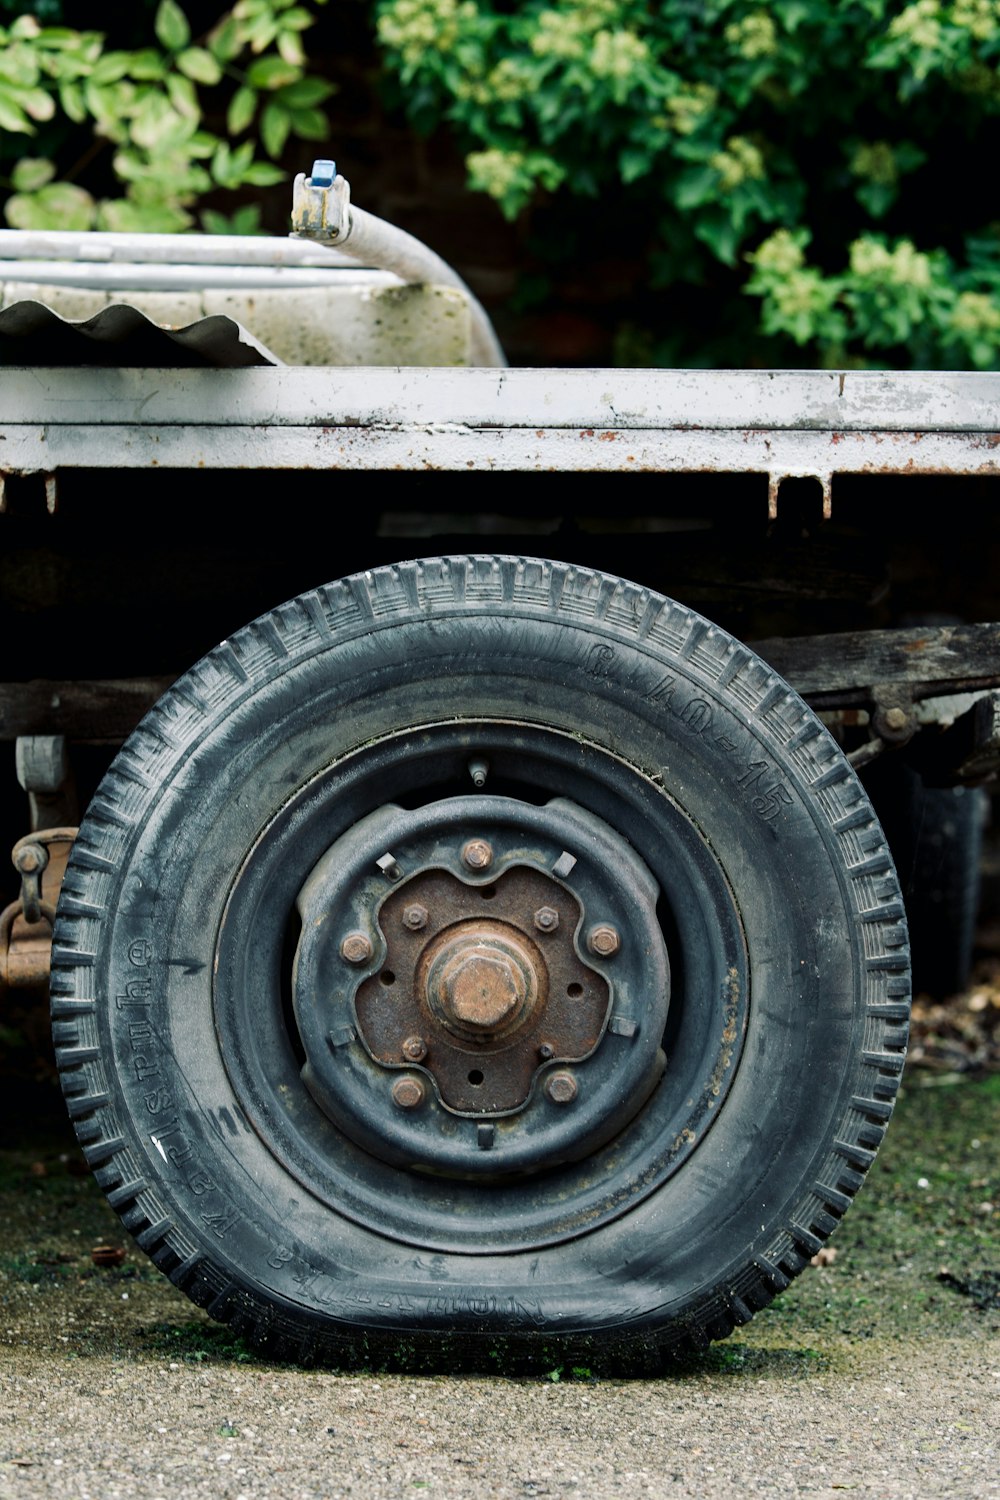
222	166
264	174
275	124
245	220
634	162
199	64
696	186
148	65
71	99
305	92
721	236
171	26
31	173
56	37
225	41
310	124
201	144
25	28
37	103
261	33
134	218
297	19
60	205
183	97
12	117
19	65
289	46
271	73
242	108
111	67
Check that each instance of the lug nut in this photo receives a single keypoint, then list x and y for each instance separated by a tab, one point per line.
356	948
562	1088
603	940
408	1093
546	919
415	1048
415	917
477	854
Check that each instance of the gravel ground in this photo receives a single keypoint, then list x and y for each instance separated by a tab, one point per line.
871	1374
917	1423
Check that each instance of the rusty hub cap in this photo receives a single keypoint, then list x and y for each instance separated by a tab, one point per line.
479	989
489	1023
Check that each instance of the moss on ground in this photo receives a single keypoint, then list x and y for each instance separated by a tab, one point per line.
930	1209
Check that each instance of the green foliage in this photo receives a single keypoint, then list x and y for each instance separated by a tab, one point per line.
149	108
785	181
891	301
737	133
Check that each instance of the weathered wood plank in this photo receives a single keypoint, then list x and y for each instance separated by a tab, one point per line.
837	670
100	711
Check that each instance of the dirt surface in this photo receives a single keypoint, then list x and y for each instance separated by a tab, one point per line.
877	1372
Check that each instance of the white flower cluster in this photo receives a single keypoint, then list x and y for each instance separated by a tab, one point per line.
904	265
415	27
740	161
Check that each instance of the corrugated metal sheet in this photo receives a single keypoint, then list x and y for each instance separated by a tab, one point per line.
32	335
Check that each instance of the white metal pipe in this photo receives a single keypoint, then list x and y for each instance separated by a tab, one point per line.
106	246
323	213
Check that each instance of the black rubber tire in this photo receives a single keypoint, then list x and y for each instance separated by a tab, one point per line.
586	686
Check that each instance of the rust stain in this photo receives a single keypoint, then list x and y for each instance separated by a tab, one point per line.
608	437
916	645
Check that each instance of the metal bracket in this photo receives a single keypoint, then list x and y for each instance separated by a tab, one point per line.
44	771
26	925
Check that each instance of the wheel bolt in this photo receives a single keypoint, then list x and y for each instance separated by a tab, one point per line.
603	940
408	1093
562	1088
415	1048
415	917
477	854
356	948
546	919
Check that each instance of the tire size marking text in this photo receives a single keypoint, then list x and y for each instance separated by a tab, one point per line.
760	781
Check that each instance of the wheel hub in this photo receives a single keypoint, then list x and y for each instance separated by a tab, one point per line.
480	980
501	1001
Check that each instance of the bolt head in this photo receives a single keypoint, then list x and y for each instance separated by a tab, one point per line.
561	1087
356	948
415	1048
603	940
415	916
477	854
546	919
482	989
896	718
545	1051
408	1092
